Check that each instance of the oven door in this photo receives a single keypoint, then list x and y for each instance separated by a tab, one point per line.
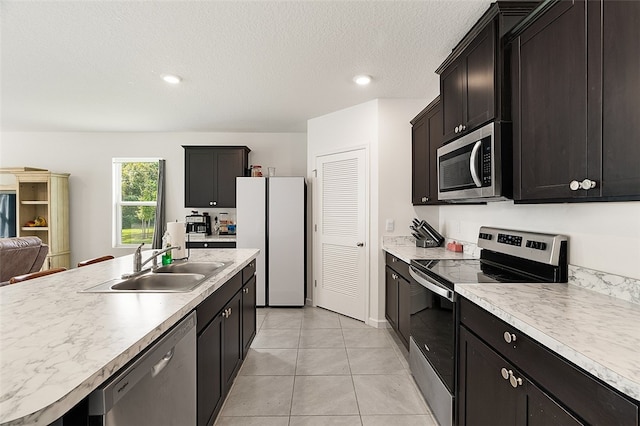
432	324
432	342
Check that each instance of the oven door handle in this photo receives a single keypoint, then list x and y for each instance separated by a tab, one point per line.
431	284
474	162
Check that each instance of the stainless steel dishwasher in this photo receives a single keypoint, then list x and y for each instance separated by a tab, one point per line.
157	388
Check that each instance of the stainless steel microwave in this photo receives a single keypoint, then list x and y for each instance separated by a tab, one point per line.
477	166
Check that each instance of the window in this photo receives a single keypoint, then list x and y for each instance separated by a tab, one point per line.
135	188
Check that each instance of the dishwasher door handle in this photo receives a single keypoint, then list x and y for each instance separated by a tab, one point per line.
166	359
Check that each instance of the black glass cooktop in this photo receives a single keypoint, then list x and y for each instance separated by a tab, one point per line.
450	272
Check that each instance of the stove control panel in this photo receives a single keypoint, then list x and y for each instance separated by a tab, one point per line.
535	246
538	245
512	240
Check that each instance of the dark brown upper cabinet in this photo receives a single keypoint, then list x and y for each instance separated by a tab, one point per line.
210	174
426	138
474	79
576	71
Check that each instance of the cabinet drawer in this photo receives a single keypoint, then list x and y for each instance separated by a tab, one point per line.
211	244
209	308
249	271
590	399
398	265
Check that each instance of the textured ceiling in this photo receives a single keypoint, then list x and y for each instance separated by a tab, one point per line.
265	66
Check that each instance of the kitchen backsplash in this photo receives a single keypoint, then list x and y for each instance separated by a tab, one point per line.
603	282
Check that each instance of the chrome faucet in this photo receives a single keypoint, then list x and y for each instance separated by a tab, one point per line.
138	263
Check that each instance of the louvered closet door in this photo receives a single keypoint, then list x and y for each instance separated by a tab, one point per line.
341	195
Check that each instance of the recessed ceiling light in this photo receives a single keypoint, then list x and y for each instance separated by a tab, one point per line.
172	79
362	80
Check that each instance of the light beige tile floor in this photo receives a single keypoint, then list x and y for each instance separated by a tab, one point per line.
310	366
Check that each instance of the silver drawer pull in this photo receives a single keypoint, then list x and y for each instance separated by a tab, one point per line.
509	337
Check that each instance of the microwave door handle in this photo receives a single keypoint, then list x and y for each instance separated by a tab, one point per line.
474	162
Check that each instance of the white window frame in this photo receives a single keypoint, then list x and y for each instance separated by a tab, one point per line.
117	198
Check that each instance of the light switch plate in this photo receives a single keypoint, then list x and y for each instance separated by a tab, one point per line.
389	225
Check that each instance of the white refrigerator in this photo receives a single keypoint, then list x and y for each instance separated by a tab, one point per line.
271	216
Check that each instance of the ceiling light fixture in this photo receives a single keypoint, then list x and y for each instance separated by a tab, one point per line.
362	80
172	79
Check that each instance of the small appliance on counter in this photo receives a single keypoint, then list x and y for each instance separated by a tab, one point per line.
198	223
425	235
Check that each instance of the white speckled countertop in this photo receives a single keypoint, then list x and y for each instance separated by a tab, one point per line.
404	249
57	345
598	333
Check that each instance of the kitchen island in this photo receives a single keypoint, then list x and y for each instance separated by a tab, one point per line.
58	344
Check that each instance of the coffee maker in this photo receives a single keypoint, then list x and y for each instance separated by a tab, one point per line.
198	223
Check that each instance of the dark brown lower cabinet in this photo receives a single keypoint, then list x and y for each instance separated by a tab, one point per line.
507	378
210	383
397	297
226	324
494	392
248	314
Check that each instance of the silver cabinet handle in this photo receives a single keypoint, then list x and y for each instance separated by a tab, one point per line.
506	373
515	381
456	129
394	260
394	276
586	184
360	244
425	199
213	203
463	127
509	337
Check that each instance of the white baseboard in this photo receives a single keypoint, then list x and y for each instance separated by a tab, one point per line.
378	323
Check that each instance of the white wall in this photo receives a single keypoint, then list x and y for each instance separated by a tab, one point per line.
87	156
382	126
602	236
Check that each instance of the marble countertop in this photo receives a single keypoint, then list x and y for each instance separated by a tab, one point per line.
57	344
407	252
596	332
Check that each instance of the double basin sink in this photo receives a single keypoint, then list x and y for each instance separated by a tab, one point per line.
178	277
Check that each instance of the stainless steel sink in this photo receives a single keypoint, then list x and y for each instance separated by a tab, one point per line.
204	268
159	283
179	277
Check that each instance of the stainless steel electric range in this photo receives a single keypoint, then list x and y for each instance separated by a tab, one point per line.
507	256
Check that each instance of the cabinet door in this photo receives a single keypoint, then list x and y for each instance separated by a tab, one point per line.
484	396
199	177
550	104
426	139
420	165
452	95
542	410
480	73
209	362
248	314
391	297
621	98
231	340
229	164
404	310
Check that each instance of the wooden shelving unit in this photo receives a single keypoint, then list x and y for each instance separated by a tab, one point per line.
45	194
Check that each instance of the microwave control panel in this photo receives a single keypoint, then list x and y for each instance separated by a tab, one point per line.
486	161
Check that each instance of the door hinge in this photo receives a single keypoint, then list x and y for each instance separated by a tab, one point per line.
315	283
315	228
